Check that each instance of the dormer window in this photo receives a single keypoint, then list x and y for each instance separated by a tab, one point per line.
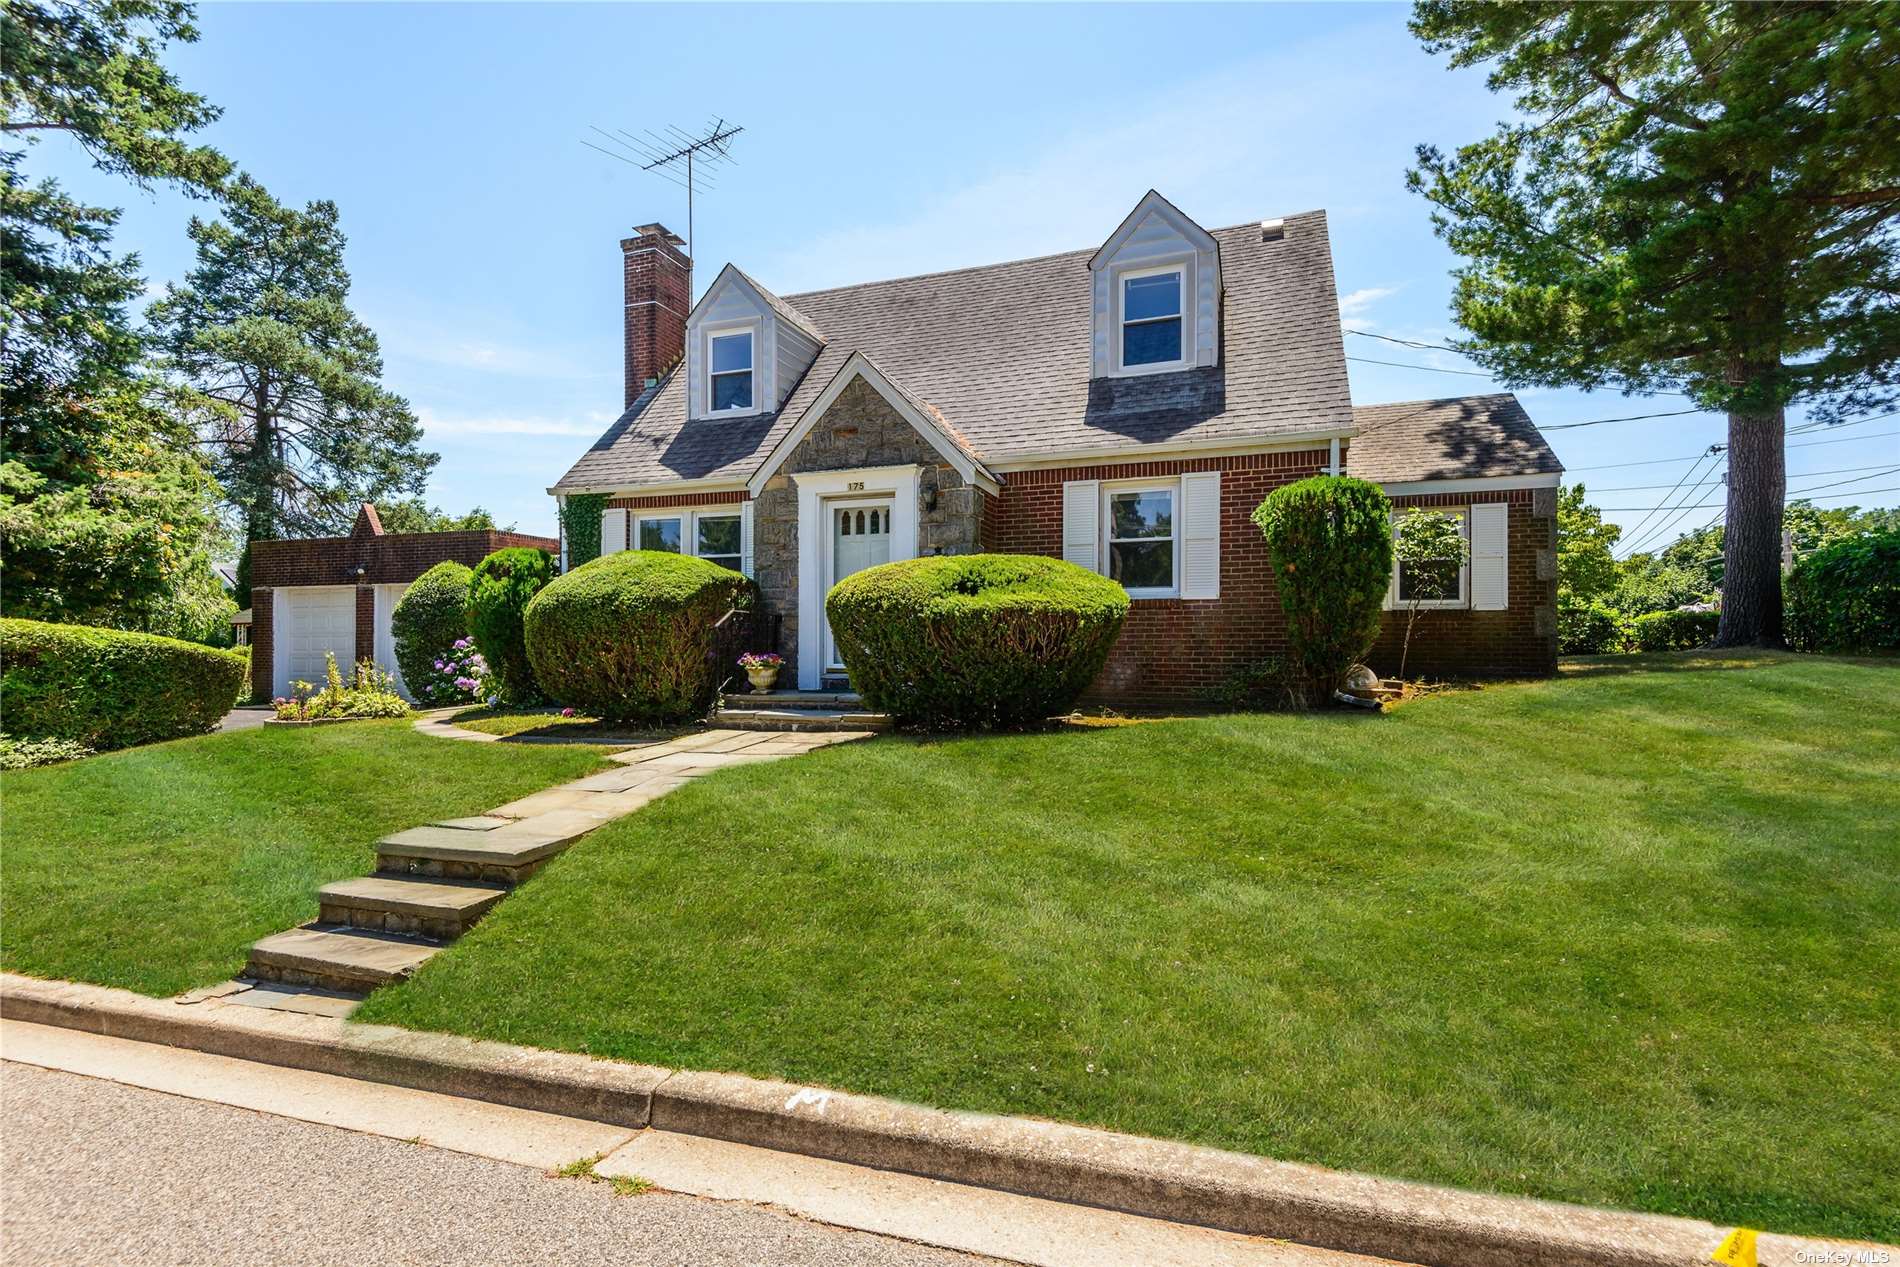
1155	295
1151	317
730	372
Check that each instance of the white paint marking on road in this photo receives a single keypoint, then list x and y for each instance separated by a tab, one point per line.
954	1216
522	1136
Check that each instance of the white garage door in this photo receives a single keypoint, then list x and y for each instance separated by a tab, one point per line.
310	622
387	596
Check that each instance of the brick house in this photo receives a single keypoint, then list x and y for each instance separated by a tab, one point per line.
336	594
1124	407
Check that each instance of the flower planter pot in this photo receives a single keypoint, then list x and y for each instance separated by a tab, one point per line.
764	678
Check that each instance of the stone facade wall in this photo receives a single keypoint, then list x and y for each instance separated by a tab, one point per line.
860	429
1521	640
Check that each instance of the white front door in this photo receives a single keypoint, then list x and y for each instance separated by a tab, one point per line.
860	538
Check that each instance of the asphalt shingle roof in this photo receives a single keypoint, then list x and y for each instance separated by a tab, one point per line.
1002	354
1463	437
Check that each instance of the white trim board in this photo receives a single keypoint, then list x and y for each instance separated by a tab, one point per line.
856	366
1486	484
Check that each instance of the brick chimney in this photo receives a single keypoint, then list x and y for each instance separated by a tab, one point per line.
659	294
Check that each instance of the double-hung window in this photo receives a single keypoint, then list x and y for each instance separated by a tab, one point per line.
1141	538
729	372
660	533
1436	585
716	539
712	535
1151	330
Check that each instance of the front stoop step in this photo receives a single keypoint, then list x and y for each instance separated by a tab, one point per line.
441	909
800	719
834	701
503	855
336	957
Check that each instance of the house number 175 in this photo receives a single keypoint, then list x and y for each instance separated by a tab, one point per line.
855	486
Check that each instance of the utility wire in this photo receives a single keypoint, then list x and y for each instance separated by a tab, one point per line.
1802	475
1690	457
1799	496
1712	452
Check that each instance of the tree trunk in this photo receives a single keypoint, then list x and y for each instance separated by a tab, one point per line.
1751	539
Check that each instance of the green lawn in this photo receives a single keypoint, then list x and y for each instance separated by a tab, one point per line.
154	868
545	723
1630	938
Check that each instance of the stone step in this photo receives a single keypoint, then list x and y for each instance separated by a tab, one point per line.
800	719
833	701
507	855
334	957
441	909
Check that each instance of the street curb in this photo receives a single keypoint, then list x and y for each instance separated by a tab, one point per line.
1183	1183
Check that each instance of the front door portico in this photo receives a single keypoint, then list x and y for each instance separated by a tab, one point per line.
847	521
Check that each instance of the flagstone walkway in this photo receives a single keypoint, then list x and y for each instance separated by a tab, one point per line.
433	883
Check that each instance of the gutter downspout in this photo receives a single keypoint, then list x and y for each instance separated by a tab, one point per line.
1332	464
560	523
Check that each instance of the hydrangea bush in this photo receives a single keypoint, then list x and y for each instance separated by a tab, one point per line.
457	676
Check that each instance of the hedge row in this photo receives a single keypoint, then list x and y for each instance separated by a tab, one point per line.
106	688
631	636
1846	596
975	640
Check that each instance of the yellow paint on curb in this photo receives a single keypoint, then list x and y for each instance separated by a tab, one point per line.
1738	1250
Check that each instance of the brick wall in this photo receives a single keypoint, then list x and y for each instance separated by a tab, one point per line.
671	500
1172	650
658	281
1516	642
384	559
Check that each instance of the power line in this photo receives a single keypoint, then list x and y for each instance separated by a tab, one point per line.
1690	457
1597	422
1632	488
1800	496
1712	452
1429	368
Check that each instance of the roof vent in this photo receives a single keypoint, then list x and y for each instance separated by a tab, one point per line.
1272	230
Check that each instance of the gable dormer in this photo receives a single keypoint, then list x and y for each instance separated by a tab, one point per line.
745	349
1157	294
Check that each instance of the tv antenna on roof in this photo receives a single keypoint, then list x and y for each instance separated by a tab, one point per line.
690	160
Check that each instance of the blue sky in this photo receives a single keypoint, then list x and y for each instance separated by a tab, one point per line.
879	141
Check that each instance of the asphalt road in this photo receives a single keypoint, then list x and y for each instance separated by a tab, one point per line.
97	1172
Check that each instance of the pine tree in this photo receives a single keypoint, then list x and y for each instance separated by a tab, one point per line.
1698	198
90	72
305	430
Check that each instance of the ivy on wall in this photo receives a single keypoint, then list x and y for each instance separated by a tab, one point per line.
580	524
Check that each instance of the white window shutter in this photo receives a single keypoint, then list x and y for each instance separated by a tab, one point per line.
1200	535
613	531
1490	557
1082	523
745	538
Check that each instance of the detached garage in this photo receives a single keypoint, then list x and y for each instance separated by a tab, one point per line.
336	595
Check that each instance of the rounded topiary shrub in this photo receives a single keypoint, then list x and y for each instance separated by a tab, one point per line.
633	636
430	618
499	591
975	640
1331	541
1845	596
106	688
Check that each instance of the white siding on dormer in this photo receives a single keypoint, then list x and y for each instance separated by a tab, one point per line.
1157	236
729	305
793	352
